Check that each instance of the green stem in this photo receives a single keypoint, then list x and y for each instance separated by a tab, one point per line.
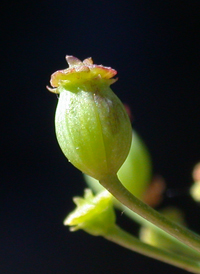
114	186
176	245
120	237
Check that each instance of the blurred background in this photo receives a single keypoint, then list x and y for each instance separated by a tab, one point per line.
155	47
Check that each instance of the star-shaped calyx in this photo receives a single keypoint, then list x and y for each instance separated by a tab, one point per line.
80	72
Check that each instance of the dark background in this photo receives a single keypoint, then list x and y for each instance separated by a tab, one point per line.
155	47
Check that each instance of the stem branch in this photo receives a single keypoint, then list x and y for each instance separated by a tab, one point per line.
114	186
122	238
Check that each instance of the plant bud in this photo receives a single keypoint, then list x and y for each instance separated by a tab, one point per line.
94	213
92	126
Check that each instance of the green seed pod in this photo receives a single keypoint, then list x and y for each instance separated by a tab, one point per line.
92	126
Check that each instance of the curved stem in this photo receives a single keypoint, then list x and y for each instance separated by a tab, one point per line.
114	186
176	245
120	237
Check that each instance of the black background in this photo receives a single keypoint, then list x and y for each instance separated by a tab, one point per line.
155	47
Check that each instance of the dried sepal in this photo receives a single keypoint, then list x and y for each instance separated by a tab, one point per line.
81	72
